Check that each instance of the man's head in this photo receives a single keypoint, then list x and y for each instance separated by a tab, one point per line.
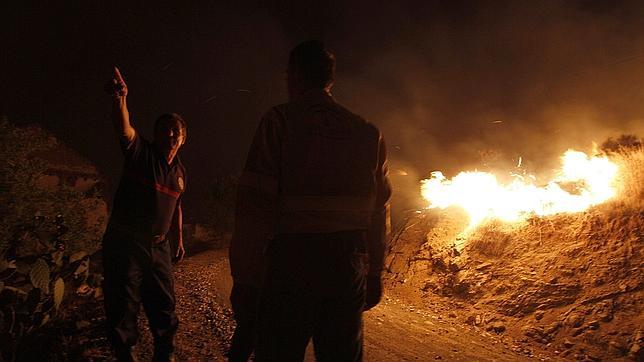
310	66
169	132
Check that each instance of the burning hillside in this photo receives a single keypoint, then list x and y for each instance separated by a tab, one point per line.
555	268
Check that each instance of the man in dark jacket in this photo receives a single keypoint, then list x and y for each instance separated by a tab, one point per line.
136	251
315	195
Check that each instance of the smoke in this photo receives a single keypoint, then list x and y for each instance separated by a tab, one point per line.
465	85
453	85
449	84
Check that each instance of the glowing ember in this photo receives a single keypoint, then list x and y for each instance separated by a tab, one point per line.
482	197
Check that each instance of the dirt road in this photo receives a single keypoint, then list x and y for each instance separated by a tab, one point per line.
394	330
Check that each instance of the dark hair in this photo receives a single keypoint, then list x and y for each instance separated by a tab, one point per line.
171	118
314	63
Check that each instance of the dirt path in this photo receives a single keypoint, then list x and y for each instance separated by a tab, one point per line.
394	330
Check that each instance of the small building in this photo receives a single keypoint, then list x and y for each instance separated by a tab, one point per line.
66	168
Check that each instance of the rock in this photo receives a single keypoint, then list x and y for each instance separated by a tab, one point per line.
82	324
532	332
461	287
483	266
578	331
594	324
498	327
553	328
617	348
567	344
451	315
575	320
538	315
500	289
542	306
605	316
636	352
471	320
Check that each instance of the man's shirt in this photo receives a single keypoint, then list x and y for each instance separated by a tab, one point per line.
149	191
313	167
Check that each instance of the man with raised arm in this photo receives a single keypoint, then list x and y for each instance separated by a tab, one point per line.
137	256
315	193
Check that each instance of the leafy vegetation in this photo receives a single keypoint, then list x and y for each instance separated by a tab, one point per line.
45	245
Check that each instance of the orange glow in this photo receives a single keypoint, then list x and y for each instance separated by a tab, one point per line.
484	198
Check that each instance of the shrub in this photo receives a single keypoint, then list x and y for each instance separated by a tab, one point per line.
45	240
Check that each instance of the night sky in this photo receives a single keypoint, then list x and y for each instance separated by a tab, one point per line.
444	80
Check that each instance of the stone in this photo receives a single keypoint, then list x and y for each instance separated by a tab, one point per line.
82	324
578	331
636	352
483	266
553	328
617	347
605	316
575	320
471	320
594	324
538	315
498	327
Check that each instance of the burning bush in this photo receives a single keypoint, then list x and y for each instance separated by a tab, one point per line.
631	181
625	143
568	282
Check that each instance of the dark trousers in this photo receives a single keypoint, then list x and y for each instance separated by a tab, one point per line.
314	288
244	300
138	273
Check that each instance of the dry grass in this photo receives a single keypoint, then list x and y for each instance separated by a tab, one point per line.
631	176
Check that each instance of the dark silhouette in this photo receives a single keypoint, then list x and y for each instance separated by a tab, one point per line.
314	194
137	259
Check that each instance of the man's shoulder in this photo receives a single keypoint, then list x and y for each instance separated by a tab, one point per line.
359	121
276	113
132	149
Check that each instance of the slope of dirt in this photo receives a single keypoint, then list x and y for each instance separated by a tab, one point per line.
395	330
568	285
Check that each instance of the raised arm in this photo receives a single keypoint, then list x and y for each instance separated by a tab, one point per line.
117	88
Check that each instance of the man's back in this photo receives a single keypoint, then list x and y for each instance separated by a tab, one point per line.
311	221
328	161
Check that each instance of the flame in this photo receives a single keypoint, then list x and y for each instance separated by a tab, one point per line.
483	197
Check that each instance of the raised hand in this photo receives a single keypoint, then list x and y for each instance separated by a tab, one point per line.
116	86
